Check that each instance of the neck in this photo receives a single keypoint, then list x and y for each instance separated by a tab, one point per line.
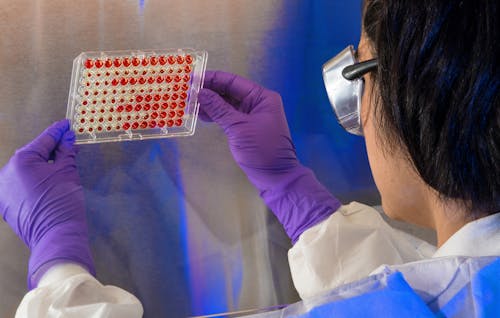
448	217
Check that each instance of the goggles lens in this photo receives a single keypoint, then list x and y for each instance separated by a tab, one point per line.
345	95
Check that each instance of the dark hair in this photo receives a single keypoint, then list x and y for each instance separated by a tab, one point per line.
437	86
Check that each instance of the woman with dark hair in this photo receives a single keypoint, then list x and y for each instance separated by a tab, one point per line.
421	87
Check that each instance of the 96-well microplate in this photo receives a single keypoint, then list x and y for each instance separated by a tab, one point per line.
127	95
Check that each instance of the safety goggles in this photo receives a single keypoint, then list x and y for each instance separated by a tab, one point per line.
343	77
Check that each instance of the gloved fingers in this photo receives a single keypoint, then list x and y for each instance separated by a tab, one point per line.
47	141
66	148
217	109
229	85
203	115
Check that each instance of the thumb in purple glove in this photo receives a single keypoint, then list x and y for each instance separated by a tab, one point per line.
42	200
254	122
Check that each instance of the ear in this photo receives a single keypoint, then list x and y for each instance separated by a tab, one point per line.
368	101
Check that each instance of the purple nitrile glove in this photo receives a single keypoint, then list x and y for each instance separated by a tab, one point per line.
254	122
42	200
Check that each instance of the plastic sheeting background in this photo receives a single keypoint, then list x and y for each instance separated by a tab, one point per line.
175	221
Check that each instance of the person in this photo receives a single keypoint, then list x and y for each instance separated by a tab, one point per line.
422	88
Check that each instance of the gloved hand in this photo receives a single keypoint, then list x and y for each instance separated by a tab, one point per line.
254	122
43	202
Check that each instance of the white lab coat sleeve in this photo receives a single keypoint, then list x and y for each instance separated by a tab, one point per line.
348	246
68	290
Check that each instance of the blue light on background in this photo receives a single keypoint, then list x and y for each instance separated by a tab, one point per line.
150	240
307	34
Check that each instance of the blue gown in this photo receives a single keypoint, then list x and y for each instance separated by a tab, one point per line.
472	291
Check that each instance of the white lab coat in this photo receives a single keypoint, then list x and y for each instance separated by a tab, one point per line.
355	242
351	244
